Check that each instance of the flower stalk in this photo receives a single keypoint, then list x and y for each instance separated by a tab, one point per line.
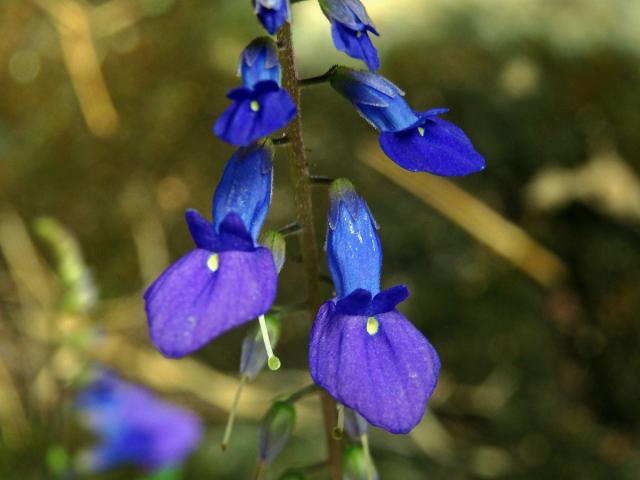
301	180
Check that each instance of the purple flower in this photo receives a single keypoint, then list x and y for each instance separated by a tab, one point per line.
350	28
228	279
417	141
363	351
135	427
261	106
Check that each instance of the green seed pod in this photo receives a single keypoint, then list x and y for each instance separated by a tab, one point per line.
275	430
356	466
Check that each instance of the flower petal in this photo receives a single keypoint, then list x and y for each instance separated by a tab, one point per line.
234	235
387	300
356	44
202	231
386	376
354	303
190	304
436	146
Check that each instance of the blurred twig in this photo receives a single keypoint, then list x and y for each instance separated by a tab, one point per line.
30	277
13	420
478	219
71	20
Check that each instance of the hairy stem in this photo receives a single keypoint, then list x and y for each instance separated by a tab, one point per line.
300	178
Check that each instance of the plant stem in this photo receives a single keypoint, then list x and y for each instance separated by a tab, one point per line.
319	80
297	395
300	178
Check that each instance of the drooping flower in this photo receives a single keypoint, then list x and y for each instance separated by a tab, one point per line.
228	279
135	427
350	28
363	351
261	106
272	13
417	141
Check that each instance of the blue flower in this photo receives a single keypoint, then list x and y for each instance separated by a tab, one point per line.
272	13
228	279
417	141
261	106
362	350
135	427
350	27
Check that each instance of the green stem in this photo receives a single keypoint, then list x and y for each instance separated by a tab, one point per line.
300	178
297	395
319	80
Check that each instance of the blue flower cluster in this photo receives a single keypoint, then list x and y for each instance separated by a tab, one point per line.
362	350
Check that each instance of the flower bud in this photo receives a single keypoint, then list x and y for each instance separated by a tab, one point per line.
259	62
275	430
350	28
245	188
272	13
356	465
378	100
275	242
353	247
254	356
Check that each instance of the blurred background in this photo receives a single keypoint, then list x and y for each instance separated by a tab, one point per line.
525	277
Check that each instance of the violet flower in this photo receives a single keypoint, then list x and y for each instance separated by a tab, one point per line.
135	427
261	106
228	279
363	351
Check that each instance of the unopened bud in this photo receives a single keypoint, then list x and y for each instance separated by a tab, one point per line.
356	465
275	430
